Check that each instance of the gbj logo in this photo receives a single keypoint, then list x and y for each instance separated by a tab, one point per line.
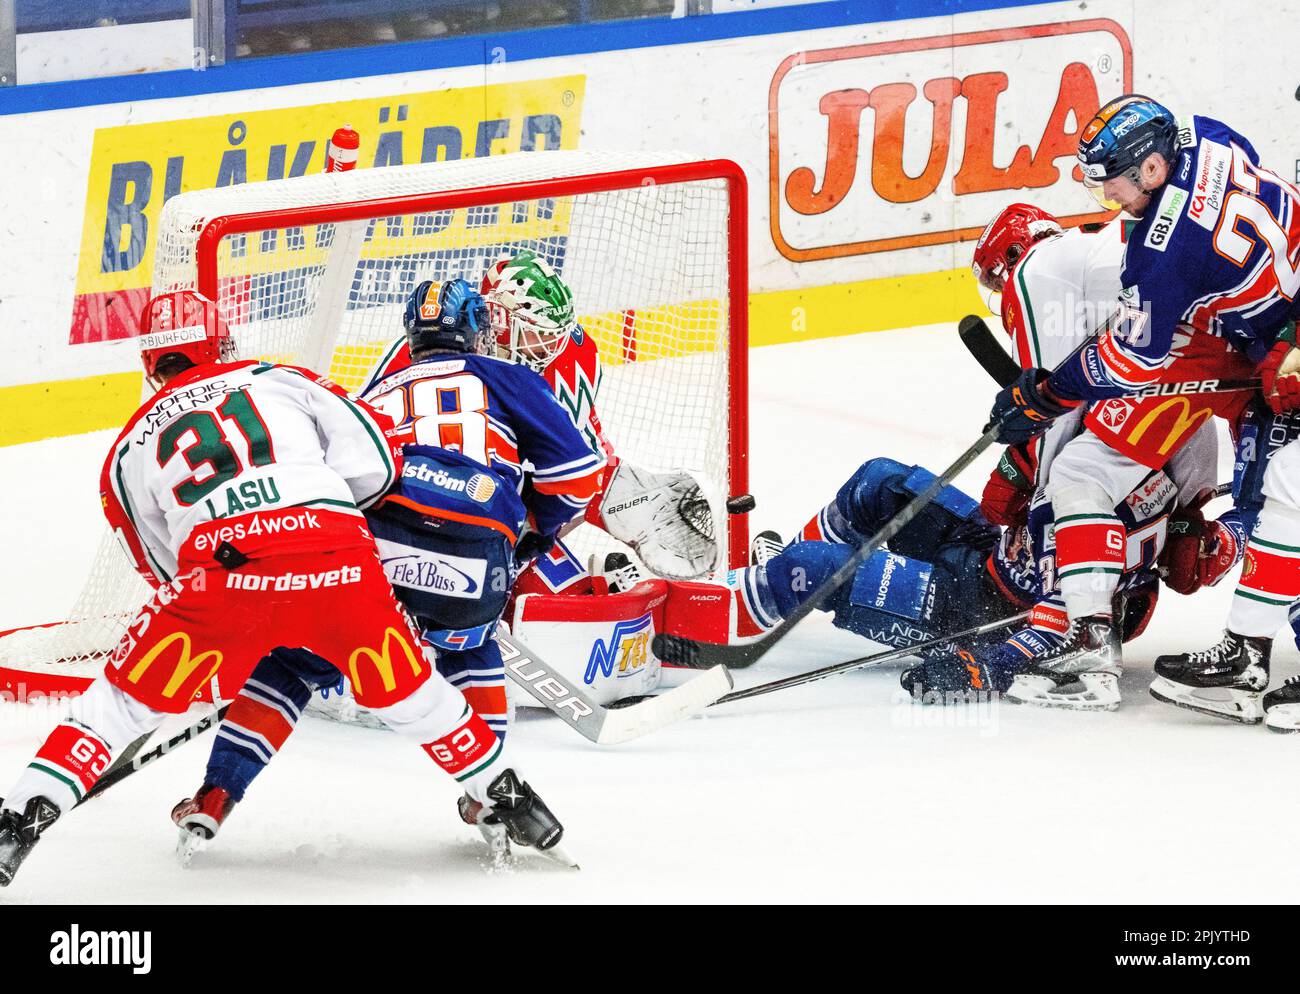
914	142
626	650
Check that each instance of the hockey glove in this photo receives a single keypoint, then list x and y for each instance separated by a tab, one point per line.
1006	496
531	546
1280	374
951	679
665	517
1026	408
1197	552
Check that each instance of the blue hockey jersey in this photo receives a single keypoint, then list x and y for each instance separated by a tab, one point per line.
503	416
1218	251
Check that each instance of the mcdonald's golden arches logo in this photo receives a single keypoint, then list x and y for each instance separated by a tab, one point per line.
186	664
1184	424
383	661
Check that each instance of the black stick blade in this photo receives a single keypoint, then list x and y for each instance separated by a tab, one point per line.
676	650
983	345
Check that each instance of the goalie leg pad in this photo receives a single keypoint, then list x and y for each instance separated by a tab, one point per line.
602	643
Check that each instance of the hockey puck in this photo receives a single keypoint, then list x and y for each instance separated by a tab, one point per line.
740	504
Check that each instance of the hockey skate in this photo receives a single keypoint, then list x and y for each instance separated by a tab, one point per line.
199	818
20	833
518	816
1082	674
1282	707
1225	681
618	575
765	547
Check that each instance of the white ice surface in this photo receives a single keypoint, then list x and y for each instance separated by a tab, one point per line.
831	792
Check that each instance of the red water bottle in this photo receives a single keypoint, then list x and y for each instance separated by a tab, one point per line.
341	150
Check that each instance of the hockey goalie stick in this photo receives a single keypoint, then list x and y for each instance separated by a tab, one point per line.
602	725
700	655
129	763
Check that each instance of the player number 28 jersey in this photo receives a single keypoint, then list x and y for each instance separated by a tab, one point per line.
503	416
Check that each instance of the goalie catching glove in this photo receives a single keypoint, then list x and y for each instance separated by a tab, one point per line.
665	517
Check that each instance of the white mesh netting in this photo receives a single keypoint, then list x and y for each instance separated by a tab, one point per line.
647	263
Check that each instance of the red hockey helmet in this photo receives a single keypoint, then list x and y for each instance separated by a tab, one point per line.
186	323
1006	239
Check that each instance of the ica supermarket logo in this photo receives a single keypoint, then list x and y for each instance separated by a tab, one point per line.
625	651
919	141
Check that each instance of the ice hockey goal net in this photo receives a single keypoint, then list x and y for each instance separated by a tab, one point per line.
316	270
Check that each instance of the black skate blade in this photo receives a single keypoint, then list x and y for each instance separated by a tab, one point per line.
676	650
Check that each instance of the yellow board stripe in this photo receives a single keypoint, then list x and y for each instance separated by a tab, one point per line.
783	316
35	411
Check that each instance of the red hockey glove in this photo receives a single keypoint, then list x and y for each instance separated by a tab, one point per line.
1280	375
1011	484
1198	553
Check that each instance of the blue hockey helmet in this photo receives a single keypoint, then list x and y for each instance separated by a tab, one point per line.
1121	136
449	317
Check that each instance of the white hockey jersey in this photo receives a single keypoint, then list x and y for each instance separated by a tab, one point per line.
230	439
1062	291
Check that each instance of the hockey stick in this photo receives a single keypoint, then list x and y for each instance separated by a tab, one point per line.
602	725
887	656
129	763
987	351
993	359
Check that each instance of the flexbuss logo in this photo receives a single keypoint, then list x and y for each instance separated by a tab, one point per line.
919	141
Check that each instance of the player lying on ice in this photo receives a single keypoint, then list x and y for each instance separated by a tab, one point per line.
950	569
237	489
1200	300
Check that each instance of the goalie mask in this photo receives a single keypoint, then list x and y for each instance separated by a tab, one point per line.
183	323
1005	241
530	308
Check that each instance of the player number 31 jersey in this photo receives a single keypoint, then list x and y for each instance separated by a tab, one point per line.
226	440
